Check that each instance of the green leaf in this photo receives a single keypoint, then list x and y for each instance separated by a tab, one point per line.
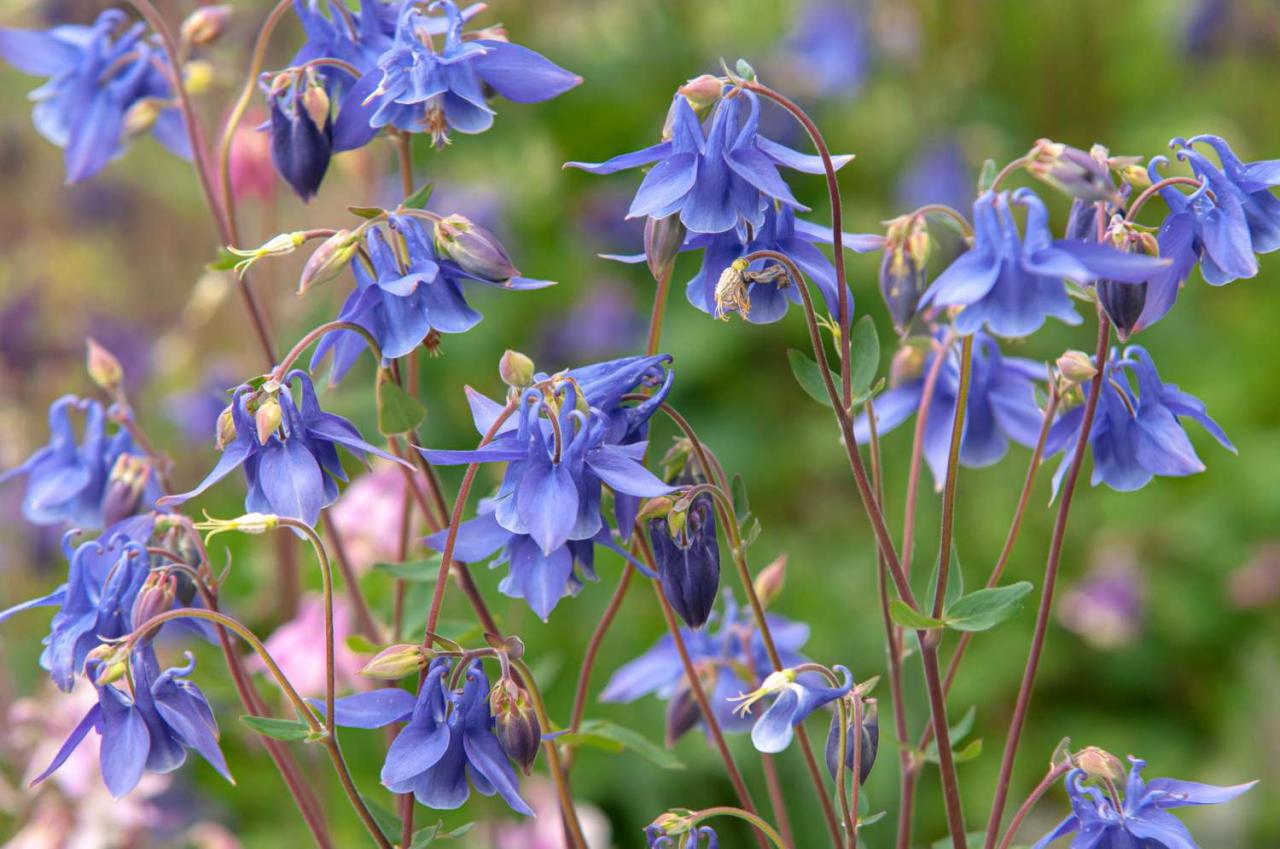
955	582
426	836
360	644
741	505
866	355
809	376
225	261
872	819
418	200
986	608
278	729
907	617
956	733
366	212
388	823
969	752
600	734
987	177
398	411
751	534
424	571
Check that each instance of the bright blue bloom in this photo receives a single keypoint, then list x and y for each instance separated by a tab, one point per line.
689	563
446	737
295	473
418	86
559	455
720	656
828	49
94	78
148	729
1143	820
399	303
70	483
1002	406
1136	435
715	178
796	700
1010	283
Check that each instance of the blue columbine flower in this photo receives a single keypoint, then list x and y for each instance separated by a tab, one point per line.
1142	818
1002	406
301	130
715	178
1136	435
828	49
419	86
401	296
1010	283
796	699
149	728
295	471
689	561
445	737
70	482
94	79
698	837
559	455
722	655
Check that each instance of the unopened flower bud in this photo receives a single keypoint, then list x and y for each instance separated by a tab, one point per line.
226	428
1076	367
662	240
329	260
515	723
1124	301
267	419
769	583
103	367
702	93
731	291
315	101
1099	763
476	251
156	596
126	484
1136	176
515	369
688	559
683	714
655	508
870	743
112	661
142	115
205	25
1082	175
395	662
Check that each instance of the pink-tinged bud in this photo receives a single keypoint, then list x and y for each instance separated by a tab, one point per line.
655	508
1084	175
103	367
252	174
702	93
156	596
1099	763
476	251
205	25
1076	367
395	662
128	480
267	419
772	578
515	369
329	260
662	240
516	723
225	433
316	103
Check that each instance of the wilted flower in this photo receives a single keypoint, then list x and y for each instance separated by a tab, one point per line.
94	79
1142	818
1136	435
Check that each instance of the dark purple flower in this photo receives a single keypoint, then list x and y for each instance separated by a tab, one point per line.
301	129
870	745
689	561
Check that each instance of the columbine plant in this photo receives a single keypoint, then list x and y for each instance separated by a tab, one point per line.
574	441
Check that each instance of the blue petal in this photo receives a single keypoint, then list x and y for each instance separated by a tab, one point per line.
485	756
37	53
547	501
521	75
540	579
648	673
373	709
125	743
291	479
664	186
1178	794
625	161
773	731
624	474
797	161
444	786
90	720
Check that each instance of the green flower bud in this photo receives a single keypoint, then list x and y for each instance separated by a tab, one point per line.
395	662
769	583
515	369
104	369
474	249
329	260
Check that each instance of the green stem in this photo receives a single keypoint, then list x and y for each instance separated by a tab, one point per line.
746	816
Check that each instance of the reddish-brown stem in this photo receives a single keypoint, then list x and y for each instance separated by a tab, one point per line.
953	469
1023	704
777	800
365	623
593	647
917	447
1141	200
1054	773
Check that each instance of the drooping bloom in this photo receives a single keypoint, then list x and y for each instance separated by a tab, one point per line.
721	654
84	484
1010	283
663	834
294	470
447	736
420	87
1142	818
149	728
716	176
689	561
1002	406
95	79
870	744
1137	431
404	293
559	455
795	700
301	130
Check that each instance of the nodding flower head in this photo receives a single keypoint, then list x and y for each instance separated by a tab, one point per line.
688	560
301	129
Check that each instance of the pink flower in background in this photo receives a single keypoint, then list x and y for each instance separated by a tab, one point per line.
298	646
368	515
544	830
1257	583
252	175
1106	606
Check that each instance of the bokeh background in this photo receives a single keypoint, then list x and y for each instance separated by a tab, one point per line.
1167	642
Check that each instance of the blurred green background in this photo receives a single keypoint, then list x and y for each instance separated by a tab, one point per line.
1187	676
